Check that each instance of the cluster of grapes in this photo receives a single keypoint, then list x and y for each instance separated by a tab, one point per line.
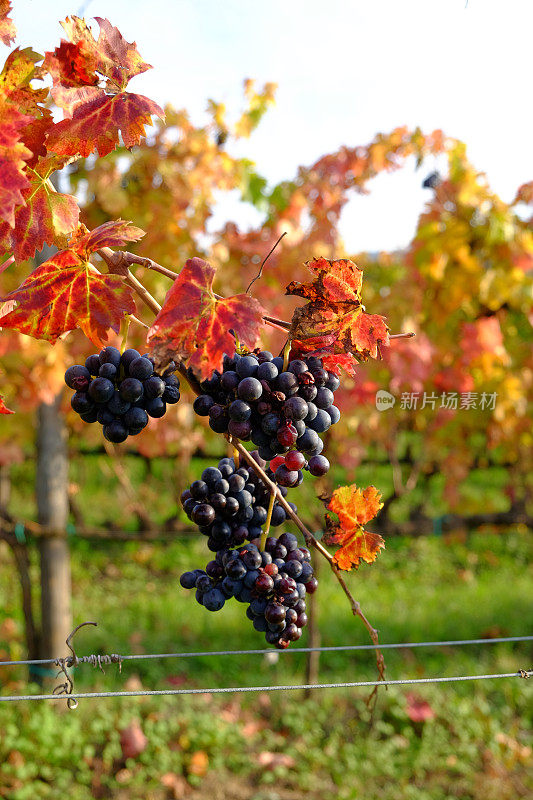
120	391
255	399
273	582
229	504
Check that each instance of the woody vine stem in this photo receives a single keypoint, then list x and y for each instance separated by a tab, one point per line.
118	262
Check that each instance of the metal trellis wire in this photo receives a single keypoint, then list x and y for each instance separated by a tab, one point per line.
285	688
95	660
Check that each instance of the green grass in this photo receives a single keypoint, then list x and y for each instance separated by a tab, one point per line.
475	746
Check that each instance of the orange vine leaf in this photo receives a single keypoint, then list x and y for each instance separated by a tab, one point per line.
89	83
68	292
195	326
354	508
334	320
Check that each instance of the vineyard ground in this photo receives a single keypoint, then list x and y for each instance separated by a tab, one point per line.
277	747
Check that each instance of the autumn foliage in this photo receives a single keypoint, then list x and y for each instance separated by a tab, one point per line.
463	284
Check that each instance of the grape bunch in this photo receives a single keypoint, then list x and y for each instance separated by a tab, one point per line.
274	584
281	411
229	504
121	391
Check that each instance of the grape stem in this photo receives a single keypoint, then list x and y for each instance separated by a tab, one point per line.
312	541
266	531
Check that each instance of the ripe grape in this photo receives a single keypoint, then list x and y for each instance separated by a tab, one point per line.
110	383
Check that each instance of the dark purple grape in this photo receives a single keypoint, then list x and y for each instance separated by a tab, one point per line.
141	368
155	408
324	398
185	495
236	483
117	405
128	356
295	408
320	376
278	515
316	450
232	507
218	501
136	418
189	506
302	619
321	422
235	569
270	424
203	582
202	404
312	411
108	371
308	441
251	559
264	584
308	392
318	466
334	414
110	355
240	411
286	477
188	580
333	382
154	387
229	381
105	416
247	367
92	363
279	551
115	432
293	568
203	514
130	390
211	475
78	377
199	490
214	569
297	366
275	613
264	355
311	585
90	416
267	371
171	379
81	402
287	383
249	389
171	394
241	430
101	390
289	541
222	486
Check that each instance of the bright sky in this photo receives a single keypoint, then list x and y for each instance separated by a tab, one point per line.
346	69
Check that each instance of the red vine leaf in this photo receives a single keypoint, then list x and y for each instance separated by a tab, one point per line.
334	320
89	81
354	508
194	325
67	292
7	26
3	407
